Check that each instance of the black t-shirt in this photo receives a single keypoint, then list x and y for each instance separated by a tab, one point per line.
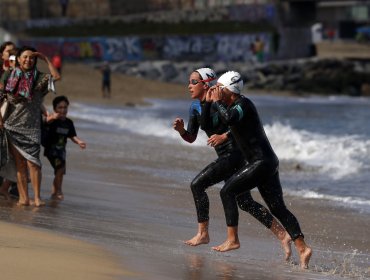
55	134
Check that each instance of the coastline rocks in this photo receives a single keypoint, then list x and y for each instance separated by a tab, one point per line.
320	76
325	76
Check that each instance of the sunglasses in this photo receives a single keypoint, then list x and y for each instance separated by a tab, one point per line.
195	82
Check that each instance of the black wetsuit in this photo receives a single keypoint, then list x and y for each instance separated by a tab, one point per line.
229	160
261	167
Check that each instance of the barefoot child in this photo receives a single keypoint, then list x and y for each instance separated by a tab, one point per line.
56	131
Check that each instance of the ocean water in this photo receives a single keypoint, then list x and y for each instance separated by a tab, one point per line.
323	143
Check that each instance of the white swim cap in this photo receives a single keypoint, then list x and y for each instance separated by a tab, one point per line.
208	76
232	81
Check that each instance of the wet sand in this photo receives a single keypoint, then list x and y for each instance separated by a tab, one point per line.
165	212
116	199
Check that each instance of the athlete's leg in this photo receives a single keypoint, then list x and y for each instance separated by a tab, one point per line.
243	180
213	173
247	203
249	176
272	194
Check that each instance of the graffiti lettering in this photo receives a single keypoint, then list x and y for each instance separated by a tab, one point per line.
213	47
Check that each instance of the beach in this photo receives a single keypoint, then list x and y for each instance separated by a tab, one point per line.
128	206
26	253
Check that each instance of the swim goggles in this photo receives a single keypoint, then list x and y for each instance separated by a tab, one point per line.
195	82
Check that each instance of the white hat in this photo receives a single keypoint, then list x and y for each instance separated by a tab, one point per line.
232	81
208	76
12	57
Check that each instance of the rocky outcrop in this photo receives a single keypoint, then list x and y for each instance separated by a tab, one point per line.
323	76
320	76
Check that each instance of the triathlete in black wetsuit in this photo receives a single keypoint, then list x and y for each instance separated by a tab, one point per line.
204	115
262	164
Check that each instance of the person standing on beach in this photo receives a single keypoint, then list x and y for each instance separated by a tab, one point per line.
261	168
56	131
228	162
106	80
4	52
25	90
8	187
57	61
259	49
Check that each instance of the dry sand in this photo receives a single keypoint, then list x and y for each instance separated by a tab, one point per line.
83	83
30	254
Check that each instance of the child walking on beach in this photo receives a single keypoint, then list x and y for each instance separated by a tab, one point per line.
56	130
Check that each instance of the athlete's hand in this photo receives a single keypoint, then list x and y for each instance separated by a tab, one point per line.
178	125
209	94
216	139
217	94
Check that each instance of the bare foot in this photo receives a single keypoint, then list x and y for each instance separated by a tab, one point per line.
23	203
57	196
227	246
5	194
286	244
304	257
198	240
38	202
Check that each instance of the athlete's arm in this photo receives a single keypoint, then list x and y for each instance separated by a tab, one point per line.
178	125
229	116
205	116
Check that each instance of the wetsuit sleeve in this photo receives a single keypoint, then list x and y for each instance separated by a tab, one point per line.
205	116
189	137
231	116
191	132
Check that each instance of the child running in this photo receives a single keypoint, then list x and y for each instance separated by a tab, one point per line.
56	131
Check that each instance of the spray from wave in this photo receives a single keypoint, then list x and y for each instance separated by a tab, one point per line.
336	156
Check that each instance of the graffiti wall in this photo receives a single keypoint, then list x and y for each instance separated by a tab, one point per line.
233	47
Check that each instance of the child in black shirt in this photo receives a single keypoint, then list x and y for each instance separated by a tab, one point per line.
55	133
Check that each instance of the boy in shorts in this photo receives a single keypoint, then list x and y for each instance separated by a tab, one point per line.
57	129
